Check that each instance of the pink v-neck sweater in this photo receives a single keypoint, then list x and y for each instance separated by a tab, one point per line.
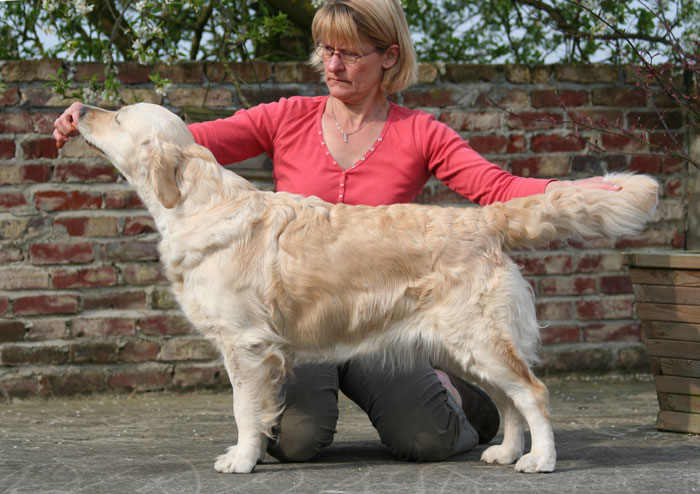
412	146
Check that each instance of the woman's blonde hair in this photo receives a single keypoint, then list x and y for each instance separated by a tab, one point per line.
380	22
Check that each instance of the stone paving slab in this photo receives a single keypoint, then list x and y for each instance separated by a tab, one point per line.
166	443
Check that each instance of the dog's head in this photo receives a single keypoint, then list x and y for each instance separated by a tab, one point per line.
141	141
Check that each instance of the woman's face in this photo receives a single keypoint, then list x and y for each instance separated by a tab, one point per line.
353	83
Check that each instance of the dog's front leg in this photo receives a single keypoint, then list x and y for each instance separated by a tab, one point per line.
255	380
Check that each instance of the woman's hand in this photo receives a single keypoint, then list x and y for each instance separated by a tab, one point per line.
63	127
584	183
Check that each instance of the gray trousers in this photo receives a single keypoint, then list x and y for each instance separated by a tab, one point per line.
413	413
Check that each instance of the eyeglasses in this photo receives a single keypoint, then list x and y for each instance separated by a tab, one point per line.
347	57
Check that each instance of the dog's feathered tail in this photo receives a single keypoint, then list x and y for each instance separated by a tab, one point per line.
532	221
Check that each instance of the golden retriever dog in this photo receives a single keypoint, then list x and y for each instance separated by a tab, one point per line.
276	278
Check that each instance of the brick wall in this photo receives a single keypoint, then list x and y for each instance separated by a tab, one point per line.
84	306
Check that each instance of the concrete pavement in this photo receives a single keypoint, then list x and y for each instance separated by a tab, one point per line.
166	443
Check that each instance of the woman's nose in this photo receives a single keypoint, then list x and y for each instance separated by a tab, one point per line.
335	64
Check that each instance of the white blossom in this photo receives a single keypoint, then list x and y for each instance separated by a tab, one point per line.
82	7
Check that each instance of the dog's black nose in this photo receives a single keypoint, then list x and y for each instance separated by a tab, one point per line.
83	111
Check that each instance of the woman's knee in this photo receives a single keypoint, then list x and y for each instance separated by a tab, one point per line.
300	443
426	445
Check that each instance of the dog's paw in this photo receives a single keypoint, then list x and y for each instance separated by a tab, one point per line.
501	455
236	460
534	463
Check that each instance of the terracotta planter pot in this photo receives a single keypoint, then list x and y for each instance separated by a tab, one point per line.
667	288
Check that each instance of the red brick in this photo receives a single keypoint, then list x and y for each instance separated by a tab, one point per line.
592	263
88	70
654	236
11	254
534	120
4	305
35	173
570	285
123	199
32	353
142	274
164	325
188	349
11	331
616	284
674	188
556	144
63	279
85	172
102	326
612	332
139	351
23	278
516	144
93	352
61	253
544	264
488	144
540	166
622	143
645	164
671	165
433	97
136	225
149	377
31	70
131	251
651	120
16	123
19	386
611	96
556	99
555	310
553	333
472	121
9	97
199	375
7	149
608	308
72	383
249	72
193	72
59	200
163	299
10	200
133	73
47	329
120	300
40	148
89	226
512	99
42	122
36	305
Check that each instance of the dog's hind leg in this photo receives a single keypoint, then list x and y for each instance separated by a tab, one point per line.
529	397
256	371
515	391
513	444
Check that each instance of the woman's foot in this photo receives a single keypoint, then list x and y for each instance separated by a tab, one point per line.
480	411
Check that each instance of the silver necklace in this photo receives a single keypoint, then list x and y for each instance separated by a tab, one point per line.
346	134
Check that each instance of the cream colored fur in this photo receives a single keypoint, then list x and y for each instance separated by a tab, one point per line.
275	278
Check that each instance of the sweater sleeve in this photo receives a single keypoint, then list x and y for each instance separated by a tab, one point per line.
246	134
457	165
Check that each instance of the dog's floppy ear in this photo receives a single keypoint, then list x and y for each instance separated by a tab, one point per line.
163	159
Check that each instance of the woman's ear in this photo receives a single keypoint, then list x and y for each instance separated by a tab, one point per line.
391	56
